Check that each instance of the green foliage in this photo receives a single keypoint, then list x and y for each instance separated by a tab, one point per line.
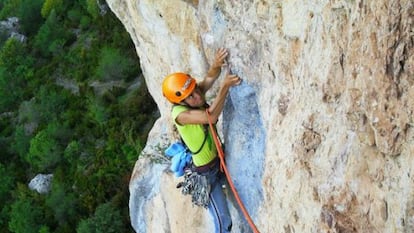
9	8
85	226
81	58
44	151
62	202
15	70
29	15
132	150
27	113
25	216
6	183
52	36
52	120
140	108
97	112
74	16
72	152
113	65
21	142
50	103
11	49
4	35
46	148
85	22
44	229
92	8
50	5
5	218
106	219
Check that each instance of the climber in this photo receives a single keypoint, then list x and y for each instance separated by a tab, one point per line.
190	118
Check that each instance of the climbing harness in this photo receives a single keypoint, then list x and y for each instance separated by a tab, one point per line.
197	186
226	172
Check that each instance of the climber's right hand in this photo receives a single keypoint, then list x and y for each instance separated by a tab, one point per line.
231	79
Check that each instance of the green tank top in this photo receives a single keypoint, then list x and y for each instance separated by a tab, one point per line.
193	136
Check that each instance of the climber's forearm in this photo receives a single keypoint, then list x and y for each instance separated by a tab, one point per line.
214	72
217	106
198	116
212	75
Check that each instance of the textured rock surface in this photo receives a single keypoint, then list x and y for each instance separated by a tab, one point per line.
41	183
319	137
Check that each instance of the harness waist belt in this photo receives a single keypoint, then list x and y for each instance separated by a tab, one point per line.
207	167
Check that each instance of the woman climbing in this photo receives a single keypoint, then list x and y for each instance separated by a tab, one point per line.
190	118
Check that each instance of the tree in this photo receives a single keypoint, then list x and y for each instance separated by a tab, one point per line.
4	35
6	183
88	142
72	152
46	148
9	8
25	217
52	36
113	65
62	202
50	5
15	70
29	15
107	219
21	142
92	8
97	111
44	151
44	229
50	103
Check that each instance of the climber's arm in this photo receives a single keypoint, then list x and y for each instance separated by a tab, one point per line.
196	116
214	71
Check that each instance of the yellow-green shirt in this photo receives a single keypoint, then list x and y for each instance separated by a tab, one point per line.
193	136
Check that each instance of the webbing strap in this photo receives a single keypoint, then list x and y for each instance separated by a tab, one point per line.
226	172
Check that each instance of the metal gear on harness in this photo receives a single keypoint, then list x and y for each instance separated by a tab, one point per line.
197	186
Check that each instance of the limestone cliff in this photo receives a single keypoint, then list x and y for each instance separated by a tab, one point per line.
319	136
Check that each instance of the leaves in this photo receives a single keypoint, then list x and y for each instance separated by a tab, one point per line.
52	120
50	5
25	216
105	220
112	65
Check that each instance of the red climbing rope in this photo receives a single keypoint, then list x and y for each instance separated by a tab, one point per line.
224	168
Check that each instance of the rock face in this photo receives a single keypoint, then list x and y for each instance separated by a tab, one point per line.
10	28
41	183
320	135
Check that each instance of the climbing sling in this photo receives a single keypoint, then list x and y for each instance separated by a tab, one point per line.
194	184
226	172
197	186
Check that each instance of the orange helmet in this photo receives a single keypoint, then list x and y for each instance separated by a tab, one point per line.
178	86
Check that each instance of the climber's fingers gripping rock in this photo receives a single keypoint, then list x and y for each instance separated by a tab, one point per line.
231	79
220	58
